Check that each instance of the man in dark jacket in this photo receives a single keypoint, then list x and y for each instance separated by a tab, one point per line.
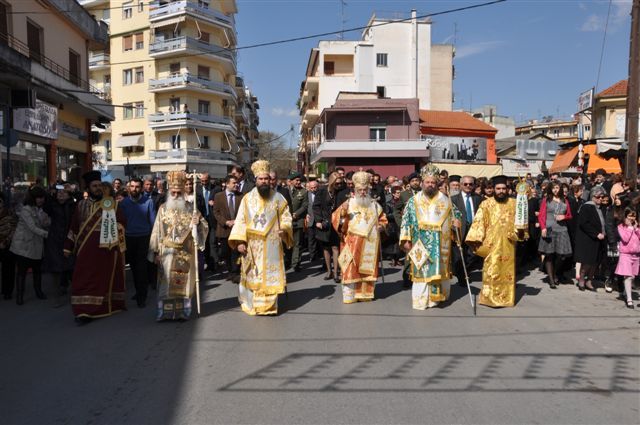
467	202
299	208
225	209
398	210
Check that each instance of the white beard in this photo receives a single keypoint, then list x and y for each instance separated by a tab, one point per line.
178	203
363	202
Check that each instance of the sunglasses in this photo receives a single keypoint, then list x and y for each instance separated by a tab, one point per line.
467	184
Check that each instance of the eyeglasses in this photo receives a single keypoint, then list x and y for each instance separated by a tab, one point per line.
467	184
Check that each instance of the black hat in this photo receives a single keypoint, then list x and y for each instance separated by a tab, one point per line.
294	175
414	175
499	180
601	172
454	178
91	176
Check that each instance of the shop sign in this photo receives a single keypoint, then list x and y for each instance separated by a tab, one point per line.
446	148
73	131
41	121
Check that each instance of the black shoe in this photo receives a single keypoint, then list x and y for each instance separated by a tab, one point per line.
297	269
81	321
630	304
141	303
328	277
235	278
134	298
7	296
336	279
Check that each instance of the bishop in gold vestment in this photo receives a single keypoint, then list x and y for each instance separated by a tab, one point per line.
358	221
172	248
262	224
493	235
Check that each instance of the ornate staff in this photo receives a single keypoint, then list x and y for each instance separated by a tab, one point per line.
194	233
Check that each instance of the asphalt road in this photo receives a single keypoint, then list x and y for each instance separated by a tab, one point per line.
560	356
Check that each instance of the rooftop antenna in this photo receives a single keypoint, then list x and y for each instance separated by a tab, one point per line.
455	34
343	19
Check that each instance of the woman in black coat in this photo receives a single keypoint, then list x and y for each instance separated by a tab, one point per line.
55	264
323	206
590	239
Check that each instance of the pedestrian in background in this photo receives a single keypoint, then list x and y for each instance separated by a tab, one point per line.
590	239
554	244
225	209
8	223
299	208
629	262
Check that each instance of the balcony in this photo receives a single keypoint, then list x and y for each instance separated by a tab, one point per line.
190	82
367	149
99	61
191	155
177	11
188	45
174	120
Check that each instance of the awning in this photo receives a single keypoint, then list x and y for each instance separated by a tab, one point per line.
476	170
596	161
610	145
167	22
563	160
130	141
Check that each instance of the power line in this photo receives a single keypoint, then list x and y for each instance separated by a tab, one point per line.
324	34
604	39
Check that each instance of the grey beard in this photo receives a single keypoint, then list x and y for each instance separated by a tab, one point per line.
363	201
178	203
264	191
454	192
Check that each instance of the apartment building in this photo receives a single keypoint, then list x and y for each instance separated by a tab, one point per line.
610	111
394	59
171	73
560	130
47	105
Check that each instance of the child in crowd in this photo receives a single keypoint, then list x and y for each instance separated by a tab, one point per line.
629	249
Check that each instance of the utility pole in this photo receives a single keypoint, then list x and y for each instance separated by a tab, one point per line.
633	94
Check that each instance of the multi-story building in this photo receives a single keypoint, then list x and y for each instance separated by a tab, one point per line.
394	59
247	122
47	105
610	111
488	114
171	72
560	130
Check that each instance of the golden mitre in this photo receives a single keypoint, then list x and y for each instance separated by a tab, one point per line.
176	180
260	167
361	179
430	170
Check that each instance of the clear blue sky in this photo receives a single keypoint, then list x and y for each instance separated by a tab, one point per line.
529	57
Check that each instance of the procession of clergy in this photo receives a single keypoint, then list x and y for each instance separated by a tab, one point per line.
429	233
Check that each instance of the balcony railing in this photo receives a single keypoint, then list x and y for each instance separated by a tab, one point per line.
162	118
184	42
192	154
48	64
99	59
184	79
158	12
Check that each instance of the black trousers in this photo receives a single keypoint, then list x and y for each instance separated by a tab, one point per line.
23	264
230	256
8	271
143	271
312	244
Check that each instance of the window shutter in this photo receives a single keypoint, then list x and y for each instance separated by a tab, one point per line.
128	42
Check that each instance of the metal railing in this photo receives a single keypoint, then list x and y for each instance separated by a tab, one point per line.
99	59
182	79
191	153
184	42
160	118
158	11
49	64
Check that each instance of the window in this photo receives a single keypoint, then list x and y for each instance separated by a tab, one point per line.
203	4
74	67
139	37
127	13
140	6
34	41
127	111
329	68
139	75
174	68
106	14
127	77
203	72
127	43
139	109
175	141
381	59
107	79
377	133
174	104
205	142
382	92
203	107
204	37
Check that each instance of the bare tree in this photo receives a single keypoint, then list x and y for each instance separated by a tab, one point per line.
275	149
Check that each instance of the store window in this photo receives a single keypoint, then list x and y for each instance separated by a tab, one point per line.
28	164
70	165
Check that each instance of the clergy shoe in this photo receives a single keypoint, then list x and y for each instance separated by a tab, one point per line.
81	321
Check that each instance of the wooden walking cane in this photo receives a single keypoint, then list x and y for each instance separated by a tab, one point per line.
194	233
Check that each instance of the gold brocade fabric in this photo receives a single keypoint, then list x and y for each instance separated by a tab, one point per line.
493	228
262	274
358	229
172	240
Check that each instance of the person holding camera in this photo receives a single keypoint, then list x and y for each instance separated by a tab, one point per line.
555	243
629	249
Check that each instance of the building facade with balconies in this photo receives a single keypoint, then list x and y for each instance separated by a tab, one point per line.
47	103
393	59
172	75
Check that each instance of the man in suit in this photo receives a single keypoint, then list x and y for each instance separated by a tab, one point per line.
273	182
225	209
398	209
205	189
244	186
299	209
467	203
312	190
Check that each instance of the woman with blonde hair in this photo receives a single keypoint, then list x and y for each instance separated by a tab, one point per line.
324	205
